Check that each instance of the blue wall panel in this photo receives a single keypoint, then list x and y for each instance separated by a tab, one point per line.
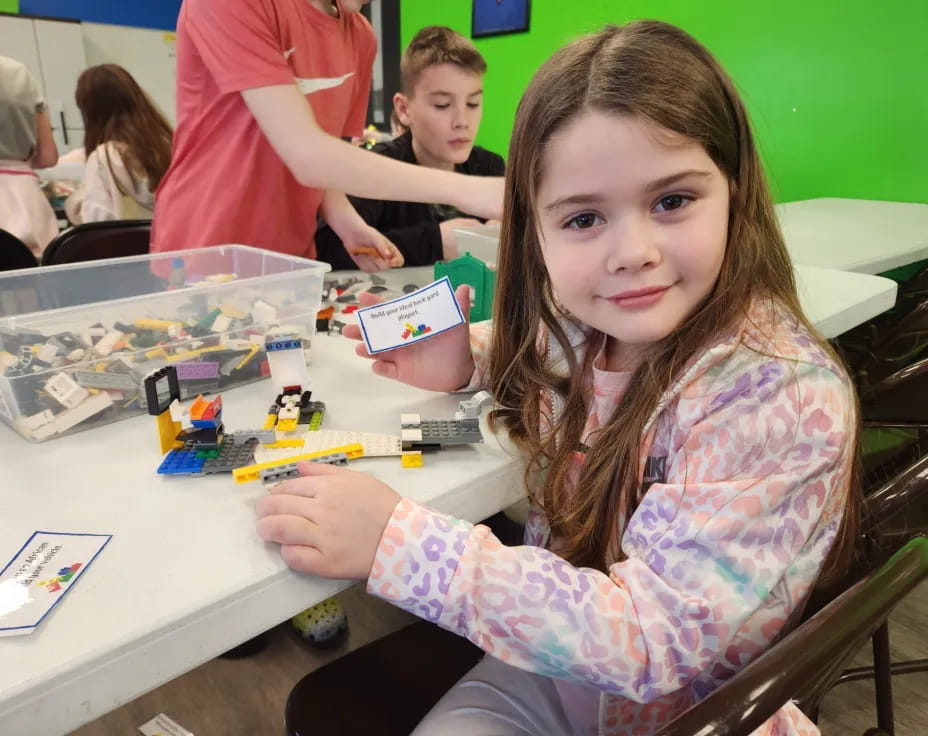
141	13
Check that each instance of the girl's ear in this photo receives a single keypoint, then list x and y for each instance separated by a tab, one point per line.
401	105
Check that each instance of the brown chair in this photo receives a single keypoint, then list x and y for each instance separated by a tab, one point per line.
895	512
384	688
803	665
14	253
95	240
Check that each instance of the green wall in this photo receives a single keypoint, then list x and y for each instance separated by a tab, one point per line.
837	91
9	6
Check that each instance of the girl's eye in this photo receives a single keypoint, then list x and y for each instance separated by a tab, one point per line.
672	202
473	105
583	221
442	107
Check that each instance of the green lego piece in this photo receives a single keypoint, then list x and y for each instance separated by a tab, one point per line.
476	274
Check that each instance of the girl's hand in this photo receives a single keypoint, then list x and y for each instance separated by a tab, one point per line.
440	363
329	521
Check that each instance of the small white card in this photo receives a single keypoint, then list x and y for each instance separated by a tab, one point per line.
412	318
35	580
161	725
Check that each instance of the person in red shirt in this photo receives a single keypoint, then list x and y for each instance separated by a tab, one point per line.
265	91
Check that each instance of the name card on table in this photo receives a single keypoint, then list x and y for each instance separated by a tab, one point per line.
46	567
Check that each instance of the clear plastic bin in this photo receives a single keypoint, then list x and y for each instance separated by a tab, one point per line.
76	341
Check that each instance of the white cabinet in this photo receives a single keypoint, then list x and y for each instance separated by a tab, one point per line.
54	52
17	41
61	55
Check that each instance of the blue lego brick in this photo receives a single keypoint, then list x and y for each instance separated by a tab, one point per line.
207	423
282	345
181	462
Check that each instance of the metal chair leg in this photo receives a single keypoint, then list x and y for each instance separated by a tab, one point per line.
883	679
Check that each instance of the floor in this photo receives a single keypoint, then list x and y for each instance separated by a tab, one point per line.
246	697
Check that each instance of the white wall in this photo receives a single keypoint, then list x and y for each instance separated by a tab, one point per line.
148	55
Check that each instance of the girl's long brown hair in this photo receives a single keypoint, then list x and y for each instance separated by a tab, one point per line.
116	110
656	72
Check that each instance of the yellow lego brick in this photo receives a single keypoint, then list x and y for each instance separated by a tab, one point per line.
155	324
157	353
270	421
191	354
287	425
253	472
283	443
248	356
168	430
412	459
232	312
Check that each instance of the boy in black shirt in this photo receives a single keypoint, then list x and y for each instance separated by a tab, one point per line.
439	105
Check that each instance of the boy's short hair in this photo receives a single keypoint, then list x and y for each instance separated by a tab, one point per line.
435	45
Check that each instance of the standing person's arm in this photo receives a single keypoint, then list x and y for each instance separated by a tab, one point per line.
319	160
368	248
46	150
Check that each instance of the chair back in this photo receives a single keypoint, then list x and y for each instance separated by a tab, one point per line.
804	664
14	253
95	240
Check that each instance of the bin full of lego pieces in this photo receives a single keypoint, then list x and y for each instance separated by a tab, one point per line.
77	341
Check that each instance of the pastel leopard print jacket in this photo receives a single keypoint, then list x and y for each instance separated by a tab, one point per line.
748	461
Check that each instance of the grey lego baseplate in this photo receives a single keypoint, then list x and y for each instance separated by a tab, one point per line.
232	454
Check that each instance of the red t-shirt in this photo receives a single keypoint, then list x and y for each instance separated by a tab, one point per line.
225	183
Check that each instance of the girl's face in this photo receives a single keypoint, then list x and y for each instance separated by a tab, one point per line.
633	222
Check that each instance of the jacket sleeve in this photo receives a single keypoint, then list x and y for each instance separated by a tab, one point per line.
100	200
753	493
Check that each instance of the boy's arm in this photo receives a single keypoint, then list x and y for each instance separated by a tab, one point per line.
368	248
419	244
319	160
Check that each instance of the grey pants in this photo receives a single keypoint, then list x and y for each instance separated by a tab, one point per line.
497	699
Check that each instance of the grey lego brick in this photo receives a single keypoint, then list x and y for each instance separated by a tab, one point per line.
232	454
448	432
288	470
92	379
264	436
278	473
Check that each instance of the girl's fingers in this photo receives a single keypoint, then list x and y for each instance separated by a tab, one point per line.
288	529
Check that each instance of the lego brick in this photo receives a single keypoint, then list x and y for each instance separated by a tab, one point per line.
412	459
192	370
161	388
69	418
262	436
284	471
442	432
65	390
233	453
168	429
283	344
35	421
181	462
253	472
97	379
410	420
411	435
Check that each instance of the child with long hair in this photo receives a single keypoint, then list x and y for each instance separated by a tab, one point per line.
127	142
690	438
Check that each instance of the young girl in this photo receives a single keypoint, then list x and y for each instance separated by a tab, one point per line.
127	141
690	438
